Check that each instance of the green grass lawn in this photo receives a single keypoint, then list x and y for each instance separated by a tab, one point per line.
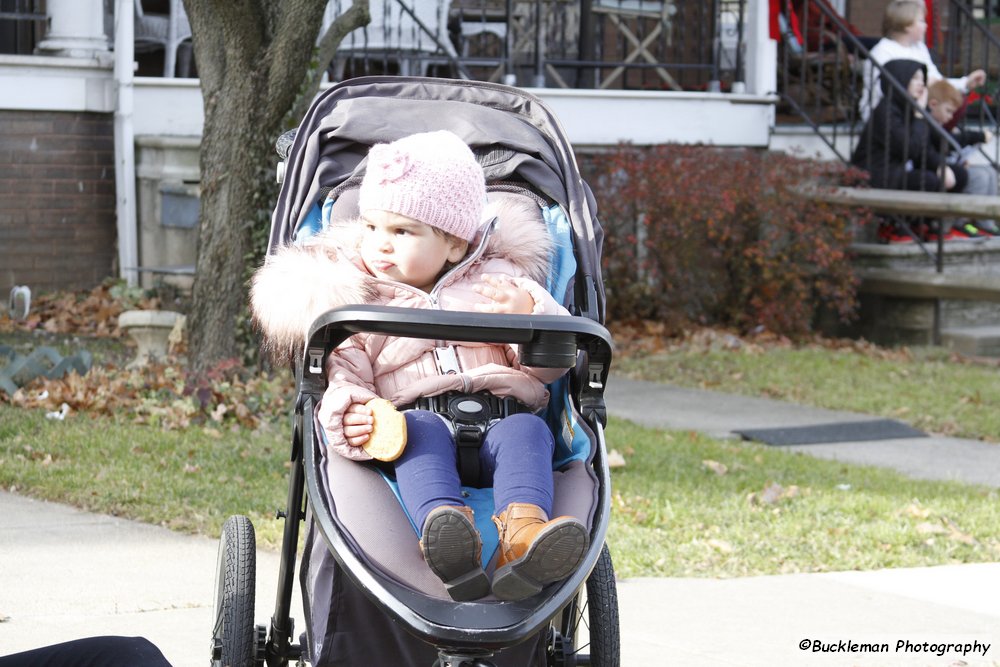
674	514
927	388
688	505
188	480
684	505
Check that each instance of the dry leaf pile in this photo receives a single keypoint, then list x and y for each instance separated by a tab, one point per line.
93	313
164	395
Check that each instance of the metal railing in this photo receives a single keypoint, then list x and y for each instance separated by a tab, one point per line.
821	82
22	25
604	44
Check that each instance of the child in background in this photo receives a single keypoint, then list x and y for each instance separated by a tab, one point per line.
973	179
904	27
421	243
894	146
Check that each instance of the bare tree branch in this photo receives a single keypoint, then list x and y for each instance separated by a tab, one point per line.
357	16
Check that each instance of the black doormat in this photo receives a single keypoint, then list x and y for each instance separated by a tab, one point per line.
874	429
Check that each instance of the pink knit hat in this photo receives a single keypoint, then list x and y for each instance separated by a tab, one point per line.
432	177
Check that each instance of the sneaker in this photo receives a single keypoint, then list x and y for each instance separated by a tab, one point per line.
950	235
986	228
890	233
969	231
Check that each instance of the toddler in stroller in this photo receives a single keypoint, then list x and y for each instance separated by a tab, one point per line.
421	244
370	596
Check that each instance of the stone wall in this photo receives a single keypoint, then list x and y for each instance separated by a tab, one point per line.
893	320
57	199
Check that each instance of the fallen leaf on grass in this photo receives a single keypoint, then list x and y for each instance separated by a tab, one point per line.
715	466
772	493
615	459
721	546
927	528
916	511
59	414
957	534
949	529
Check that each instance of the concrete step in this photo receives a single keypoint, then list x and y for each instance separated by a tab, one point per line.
981	341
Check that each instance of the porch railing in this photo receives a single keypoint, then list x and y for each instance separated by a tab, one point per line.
22	24
820	83
820	78
604	44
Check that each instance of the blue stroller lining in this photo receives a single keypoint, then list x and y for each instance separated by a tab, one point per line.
571	443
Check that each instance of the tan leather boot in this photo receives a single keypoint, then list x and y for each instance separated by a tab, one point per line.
535	551
453	550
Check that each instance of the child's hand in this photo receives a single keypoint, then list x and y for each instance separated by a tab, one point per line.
975	79
924	97
358	422
504	296
949	178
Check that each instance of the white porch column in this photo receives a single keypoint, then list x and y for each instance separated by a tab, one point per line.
76	29
761	50
128	244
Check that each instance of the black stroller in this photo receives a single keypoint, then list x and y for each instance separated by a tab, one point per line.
369	600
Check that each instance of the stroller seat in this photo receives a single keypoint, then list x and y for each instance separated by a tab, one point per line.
369	596
389	543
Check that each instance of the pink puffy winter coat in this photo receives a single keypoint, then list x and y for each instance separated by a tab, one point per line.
302	282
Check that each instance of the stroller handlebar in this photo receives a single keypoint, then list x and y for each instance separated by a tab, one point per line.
552	341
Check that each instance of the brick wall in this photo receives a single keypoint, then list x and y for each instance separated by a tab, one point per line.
866	15
57	200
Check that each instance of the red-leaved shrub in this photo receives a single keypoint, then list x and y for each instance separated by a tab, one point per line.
715	236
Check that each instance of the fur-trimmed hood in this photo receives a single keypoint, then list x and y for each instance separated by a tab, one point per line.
299	283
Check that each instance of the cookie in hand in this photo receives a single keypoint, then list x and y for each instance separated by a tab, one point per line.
388	436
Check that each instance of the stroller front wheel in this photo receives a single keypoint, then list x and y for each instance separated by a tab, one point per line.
235	640
587	631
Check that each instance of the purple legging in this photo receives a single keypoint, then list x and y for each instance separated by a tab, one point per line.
515	458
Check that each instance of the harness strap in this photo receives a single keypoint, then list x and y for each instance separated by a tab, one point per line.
469	439
469	417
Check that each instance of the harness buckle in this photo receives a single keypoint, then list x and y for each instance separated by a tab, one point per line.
447	360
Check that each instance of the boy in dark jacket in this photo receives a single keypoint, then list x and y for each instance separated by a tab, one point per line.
895	146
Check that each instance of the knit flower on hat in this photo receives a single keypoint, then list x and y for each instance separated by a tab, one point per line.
391	163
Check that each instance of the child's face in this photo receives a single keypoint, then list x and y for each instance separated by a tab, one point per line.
942	111
917	85
916	31
395	247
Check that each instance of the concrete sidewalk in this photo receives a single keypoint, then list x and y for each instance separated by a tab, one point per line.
66	574
720	415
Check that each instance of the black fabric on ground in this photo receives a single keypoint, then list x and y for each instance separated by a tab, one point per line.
876	429
92	652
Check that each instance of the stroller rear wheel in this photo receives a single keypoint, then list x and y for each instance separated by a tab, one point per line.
235	640
587	632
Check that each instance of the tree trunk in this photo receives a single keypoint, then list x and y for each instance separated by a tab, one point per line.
253	59
234	152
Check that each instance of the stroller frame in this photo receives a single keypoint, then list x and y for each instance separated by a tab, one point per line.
579	343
